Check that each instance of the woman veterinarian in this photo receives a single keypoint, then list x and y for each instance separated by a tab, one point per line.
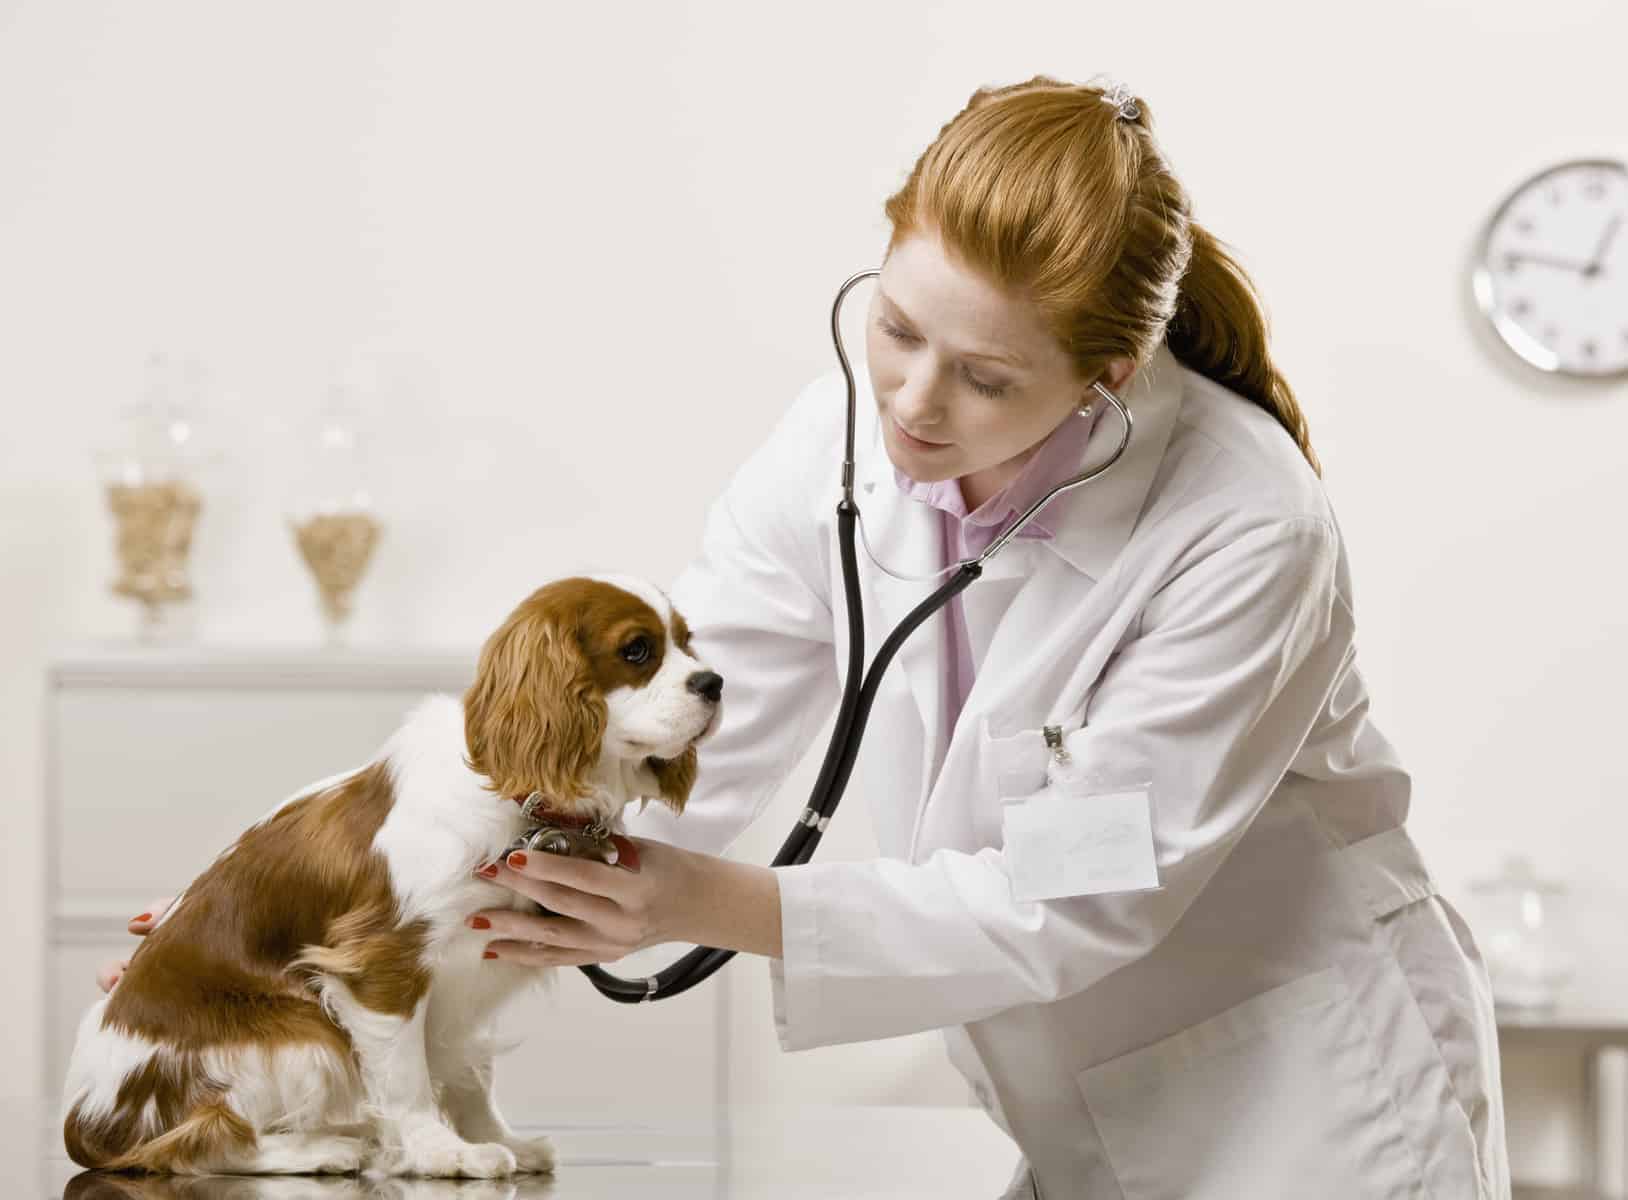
1272	1000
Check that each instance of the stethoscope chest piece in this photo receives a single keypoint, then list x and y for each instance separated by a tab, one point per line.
592	841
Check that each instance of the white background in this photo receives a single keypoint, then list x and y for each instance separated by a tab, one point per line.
590	251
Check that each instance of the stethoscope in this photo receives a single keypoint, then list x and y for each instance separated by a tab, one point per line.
859	686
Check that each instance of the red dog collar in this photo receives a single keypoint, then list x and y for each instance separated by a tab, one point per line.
532	807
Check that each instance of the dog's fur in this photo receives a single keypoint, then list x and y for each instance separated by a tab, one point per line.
314	1001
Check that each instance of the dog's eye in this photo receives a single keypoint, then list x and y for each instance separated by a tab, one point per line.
637	651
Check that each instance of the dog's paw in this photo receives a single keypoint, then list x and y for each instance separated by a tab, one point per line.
532	1154
450	1159
336	1156
485	1160
304	1154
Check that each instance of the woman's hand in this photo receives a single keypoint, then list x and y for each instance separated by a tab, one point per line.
113	969
599	913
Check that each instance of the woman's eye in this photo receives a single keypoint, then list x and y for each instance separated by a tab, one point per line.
637	650
983	389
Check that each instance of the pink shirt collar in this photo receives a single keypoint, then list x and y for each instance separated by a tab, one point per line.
1059	456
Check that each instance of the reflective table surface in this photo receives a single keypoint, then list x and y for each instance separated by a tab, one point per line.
856	1153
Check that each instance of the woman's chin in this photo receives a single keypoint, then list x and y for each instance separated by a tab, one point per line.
919	471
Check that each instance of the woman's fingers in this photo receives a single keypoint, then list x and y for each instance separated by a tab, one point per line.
143	924
557	897
560	933
111	973
582	874
531	954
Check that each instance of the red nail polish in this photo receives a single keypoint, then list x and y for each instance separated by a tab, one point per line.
143	917
479	923
489	871
488	954
517	859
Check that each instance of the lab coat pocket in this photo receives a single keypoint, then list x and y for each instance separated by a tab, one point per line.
1280	1095
1015	762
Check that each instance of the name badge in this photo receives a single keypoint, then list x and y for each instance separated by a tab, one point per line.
1074	843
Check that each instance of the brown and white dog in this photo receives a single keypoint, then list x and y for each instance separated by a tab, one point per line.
314	1002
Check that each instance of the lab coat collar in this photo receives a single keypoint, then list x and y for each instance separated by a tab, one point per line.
1090	524
1094	521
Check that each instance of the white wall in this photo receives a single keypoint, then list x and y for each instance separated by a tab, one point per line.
600	245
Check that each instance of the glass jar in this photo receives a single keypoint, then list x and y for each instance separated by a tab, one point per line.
1525	932
331	511
150	471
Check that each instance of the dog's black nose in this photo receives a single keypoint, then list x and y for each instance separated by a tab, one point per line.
706	683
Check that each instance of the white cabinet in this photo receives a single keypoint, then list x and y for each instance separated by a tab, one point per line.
1569	1041
158	758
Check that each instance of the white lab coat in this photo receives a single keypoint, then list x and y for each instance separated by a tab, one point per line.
1295	1011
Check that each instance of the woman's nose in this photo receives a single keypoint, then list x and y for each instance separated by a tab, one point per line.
916	406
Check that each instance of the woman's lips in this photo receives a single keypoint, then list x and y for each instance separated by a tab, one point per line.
912	440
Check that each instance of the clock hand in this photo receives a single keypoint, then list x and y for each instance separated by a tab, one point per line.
1593	267
1546	261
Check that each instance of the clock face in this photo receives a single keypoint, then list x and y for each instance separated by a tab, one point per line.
1553	270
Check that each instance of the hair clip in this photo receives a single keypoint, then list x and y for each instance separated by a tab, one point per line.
1120	96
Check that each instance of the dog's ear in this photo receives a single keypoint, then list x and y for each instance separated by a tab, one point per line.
676	777
534	717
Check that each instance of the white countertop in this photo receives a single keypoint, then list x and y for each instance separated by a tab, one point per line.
803	1153
189	664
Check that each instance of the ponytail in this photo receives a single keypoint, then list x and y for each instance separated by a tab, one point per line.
1220	331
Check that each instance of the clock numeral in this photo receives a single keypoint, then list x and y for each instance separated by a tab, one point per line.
1520	306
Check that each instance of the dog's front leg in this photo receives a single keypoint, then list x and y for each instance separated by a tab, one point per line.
467	1097
413	1138
462	1007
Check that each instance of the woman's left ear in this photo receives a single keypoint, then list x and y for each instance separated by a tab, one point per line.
675	777
1119	370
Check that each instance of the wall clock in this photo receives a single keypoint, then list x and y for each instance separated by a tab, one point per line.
1551	274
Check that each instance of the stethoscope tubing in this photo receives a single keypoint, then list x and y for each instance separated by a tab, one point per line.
858	690
840	755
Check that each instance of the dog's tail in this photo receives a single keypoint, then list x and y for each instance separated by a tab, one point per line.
209	1137
134	1107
